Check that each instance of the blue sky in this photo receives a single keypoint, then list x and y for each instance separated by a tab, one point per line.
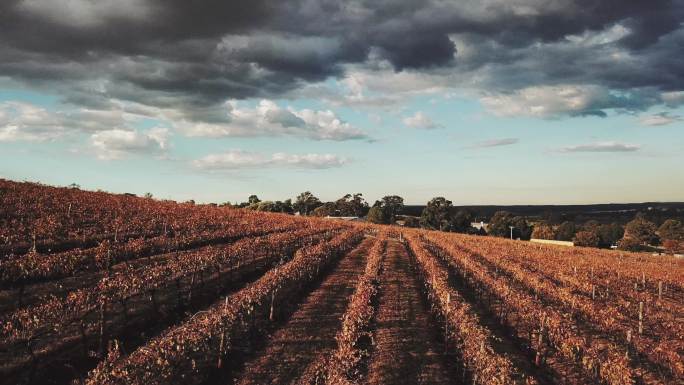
588	115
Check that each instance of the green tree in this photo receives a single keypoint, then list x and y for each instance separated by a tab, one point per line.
641	230
610	234
630	244
286	206
410	221
352	205
462	221
386	209
376	215
306	202
253	199
587	238
566	231
268	206
499	224
591	225
543	230
274	207
521	229
437	214
671	229
392	205
326	209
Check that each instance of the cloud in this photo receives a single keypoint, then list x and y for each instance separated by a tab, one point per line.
238	159
30	122
421	121
85	13
269	119
174	55
660	119
602	147
555	101
496	143
673	98
25	121
118	144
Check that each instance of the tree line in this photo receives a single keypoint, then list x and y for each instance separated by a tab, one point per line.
440	214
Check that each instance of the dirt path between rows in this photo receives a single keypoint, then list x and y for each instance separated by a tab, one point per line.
407	347
311	329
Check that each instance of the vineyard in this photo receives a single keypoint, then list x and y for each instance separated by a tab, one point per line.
97	288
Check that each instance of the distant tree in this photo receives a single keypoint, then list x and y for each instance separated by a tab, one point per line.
391	205
587	238
610	234
148	195
437	214
268	206
75	186
274	207
521	229
671	229
630	244
641	230
591	225
673	246
352	205
462	221
566	231
499	224
410	221
326	209
253	199
376	215
286	206
306	202
386	209
543	231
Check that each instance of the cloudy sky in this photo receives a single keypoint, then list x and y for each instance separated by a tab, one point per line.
481	101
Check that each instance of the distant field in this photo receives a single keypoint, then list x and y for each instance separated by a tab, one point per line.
98	288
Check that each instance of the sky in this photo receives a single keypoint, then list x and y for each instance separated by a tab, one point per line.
479	101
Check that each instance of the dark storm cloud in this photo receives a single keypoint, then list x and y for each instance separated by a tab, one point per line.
165	53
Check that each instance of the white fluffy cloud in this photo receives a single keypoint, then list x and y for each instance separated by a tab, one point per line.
117	144
421	121
673	98
30	122
269	119
24	121
239	159
661	119
602	147
547	101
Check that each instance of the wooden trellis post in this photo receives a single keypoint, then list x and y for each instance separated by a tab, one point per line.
446	323
271	313
219	363
641	317
103	311
643	280
660	290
